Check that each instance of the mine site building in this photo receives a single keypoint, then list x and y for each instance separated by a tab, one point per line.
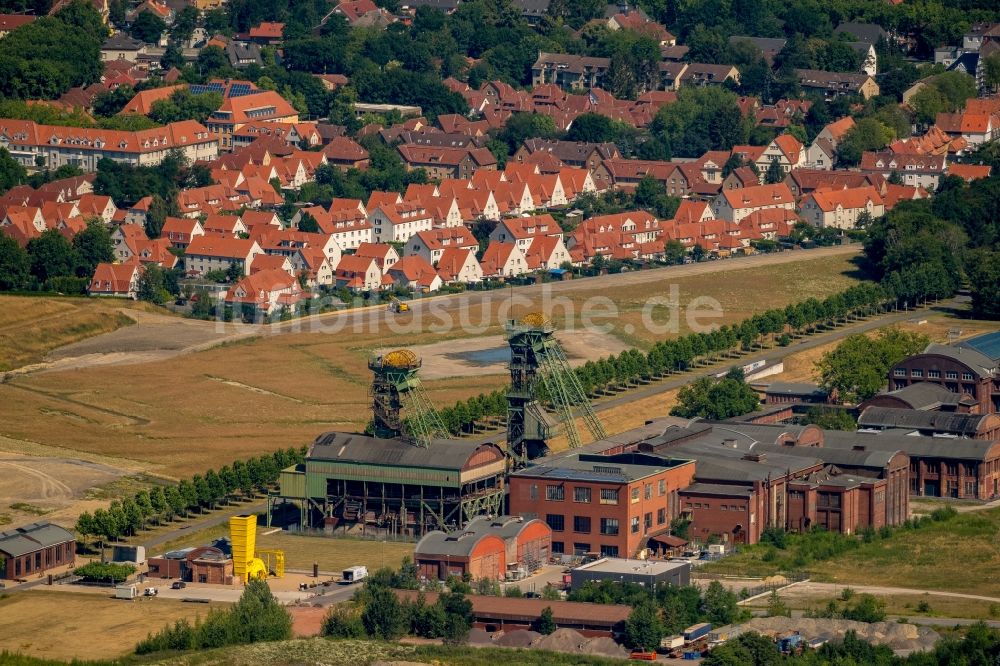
394	484
506	547
648	573
33	549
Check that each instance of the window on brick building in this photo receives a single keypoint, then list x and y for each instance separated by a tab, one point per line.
609	496
556	522
899	372
635	494
933	374
533	491
581	524
661	516
647	521
609	551
555	493
609	526
581	495
635	524
951	374
916	372
662	490
967	376
649	491
581	548
558	547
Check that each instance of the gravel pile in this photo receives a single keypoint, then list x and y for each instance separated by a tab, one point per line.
479	637
896	636
605	647
519	638
561	640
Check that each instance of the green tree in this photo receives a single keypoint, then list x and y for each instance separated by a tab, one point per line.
776	607
11	171
830	419
383	616
15	265
643	628
984	281
259	616
173	56
857	367
774	174
51	256
93	245
715	399
308	224
151	285
546	623
343	621
702	119
991	70
147	27
720	605
867	134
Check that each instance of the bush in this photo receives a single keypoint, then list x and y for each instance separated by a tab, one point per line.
101	572
343	621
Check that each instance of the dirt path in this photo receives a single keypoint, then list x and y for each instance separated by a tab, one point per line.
835	588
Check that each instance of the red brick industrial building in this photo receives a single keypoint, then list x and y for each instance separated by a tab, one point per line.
204	564
967	367
487	548
607	504
33	549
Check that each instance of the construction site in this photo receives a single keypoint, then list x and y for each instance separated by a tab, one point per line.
404	477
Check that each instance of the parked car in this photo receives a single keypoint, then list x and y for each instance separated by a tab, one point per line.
178	585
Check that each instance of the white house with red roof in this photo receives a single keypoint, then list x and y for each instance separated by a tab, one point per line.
384	254
415	273
117	280
214	253
430	245
312	263
399	222
266	292
229	226
734	205
502	260
459	266
786	149
546	253
841	209
358	274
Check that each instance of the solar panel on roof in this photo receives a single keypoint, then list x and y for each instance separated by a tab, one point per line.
987	344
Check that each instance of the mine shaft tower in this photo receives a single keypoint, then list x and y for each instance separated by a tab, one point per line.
539	362
396	387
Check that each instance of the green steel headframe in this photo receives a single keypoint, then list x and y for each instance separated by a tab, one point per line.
395	388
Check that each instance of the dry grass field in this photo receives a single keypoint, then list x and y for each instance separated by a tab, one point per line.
193	411
32	327
797	598
84	626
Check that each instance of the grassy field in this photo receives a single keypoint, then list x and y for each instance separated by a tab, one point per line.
925	558
895	604
32	326
84	626
201	410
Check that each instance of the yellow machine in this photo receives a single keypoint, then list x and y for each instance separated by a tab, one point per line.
395	305
249	563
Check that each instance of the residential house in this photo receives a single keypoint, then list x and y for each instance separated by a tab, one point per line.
579	154
180	231
786	149
459	266
346	153
501	260
228	226
117	280
740	177
703	74
637	22
822	153
975	128
398	222
969	172
265	292
53	146
11	22
267	33
836	84
385	255
262	106
444	162
923	171
430	245
414	273
734	205
523	230
803	181
120	46
840	209
546	253
214	253
358	274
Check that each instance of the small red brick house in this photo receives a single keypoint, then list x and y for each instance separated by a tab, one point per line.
486	548
33	549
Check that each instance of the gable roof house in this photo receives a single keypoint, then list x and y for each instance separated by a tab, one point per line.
459	266
784	148
415	273
836	84
917	170
385	255
579	154
446	162
430	245
180	231
235	112
211	253
265	292
358	274
523	230
346	153
822	153
503	260
734	205
841	209
398	222
117	280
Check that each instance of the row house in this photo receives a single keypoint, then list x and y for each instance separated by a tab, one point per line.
180	231
503	260
578	154
441	162
346	153
359	274
32	144
385	255
975	128
227	226
923	171
288	242
398	222
293	134
803	181
522	230
431	245
837	84
840	209
130	243
734	205
199	201
415	273
213	253
459	266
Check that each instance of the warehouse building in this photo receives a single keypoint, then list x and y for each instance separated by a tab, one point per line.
967	367
34	549
507	614
648	573
506	547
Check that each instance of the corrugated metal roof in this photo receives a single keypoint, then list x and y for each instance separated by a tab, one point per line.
351	447
30	538
925	395
461	542
619	468
987	344
943	422
974	359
